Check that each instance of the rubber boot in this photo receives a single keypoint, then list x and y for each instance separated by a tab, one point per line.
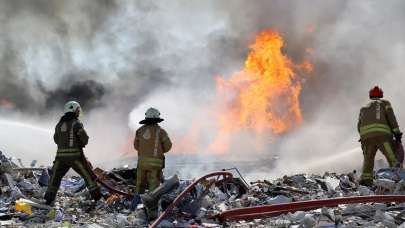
49	197
150	200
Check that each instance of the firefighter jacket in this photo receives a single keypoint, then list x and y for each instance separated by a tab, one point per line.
70	137
377	119
151	142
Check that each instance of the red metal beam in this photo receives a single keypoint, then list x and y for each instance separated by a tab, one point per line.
179	198
278	209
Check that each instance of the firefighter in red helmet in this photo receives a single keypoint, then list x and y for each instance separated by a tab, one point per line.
377	126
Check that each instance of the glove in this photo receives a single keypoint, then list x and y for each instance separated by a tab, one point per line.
398	136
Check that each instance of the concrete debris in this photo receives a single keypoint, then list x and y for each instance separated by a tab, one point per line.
365	191
311	187
278	199
308	221
22	190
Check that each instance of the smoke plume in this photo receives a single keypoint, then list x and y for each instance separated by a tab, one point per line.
119	58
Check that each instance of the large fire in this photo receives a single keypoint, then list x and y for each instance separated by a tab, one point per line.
264	96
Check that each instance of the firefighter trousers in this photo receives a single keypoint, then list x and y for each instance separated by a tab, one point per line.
370	148
60	167
148	174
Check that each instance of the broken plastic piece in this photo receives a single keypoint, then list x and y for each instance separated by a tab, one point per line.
44	178
23	207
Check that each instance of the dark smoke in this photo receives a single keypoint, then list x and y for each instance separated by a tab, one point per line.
88	93
115	56
43	46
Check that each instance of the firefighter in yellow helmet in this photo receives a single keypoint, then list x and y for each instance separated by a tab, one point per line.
377	125
70	138
151	142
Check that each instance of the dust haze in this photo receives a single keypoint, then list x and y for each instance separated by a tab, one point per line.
117	58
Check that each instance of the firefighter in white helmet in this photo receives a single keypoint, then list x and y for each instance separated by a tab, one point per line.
151	142
71	138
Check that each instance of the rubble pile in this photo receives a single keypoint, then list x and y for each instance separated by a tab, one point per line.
330	185
22	190
303	188
22	204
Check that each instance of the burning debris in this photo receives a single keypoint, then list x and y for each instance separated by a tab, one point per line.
263	98
215	200
265	94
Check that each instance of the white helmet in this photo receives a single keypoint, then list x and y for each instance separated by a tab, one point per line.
152	113
72	106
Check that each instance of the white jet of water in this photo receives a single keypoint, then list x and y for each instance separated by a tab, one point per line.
27	141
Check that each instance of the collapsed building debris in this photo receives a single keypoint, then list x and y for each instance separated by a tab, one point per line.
199	189
215	200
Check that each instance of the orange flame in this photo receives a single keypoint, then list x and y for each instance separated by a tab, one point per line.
264	96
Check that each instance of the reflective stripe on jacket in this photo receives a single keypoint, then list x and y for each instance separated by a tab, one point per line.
152	141
377	119
70	137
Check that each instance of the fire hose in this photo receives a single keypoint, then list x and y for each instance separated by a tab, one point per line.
224	175
93	175
249	213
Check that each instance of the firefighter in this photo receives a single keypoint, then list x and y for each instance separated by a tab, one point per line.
70	137
377	125
151	142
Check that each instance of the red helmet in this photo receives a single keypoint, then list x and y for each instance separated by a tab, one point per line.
376	92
